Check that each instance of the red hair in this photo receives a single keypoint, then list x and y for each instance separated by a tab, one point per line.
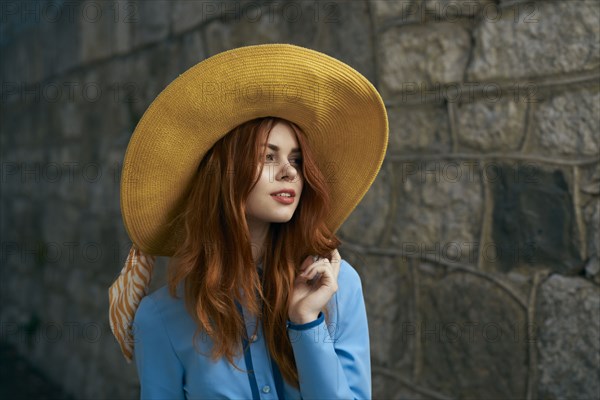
215	258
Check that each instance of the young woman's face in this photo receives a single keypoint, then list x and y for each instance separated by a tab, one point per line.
282	172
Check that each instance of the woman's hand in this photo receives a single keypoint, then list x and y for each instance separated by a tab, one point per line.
314	287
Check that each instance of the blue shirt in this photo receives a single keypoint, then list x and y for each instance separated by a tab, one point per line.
333	360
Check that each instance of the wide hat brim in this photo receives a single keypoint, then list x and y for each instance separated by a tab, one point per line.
340	111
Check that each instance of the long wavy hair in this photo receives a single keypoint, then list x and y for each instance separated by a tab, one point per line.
215	258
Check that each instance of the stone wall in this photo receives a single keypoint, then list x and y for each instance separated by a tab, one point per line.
477	244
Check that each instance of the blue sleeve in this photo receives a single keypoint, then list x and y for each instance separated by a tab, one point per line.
334	362
159	369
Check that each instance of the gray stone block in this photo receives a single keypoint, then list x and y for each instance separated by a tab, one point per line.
22	60
589	201
368	221
422	55
190	14
497	125
389	298
191	51
568	339
151	21
60	40
533	222
568	123
97	37
448	9
418	129
439	210
397	11
538	39
473	337
388	387
340	29
591	215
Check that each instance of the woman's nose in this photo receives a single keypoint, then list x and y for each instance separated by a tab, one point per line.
288	171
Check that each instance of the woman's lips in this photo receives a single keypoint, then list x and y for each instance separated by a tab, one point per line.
283	200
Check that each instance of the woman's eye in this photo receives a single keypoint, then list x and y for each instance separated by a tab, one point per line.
295	161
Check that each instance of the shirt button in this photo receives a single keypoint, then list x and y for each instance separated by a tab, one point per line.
253	338
266	389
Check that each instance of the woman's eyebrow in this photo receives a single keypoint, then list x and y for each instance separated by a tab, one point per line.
276	148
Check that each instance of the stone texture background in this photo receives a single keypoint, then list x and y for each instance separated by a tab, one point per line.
477	244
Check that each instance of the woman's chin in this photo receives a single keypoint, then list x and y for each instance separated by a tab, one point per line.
281	218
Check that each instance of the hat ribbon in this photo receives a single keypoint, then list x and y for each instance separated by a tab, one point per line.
125	294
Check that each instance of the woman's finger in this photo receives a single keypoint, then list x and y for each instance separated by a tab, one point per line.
323	271
336	262
320	261
310	272
335	255
322	275
308	261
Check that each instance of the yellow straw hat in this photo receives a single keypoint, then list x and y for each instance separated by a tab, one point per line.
340	111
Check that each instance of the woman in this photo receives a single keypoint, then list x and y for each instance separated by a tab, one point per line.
241	170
